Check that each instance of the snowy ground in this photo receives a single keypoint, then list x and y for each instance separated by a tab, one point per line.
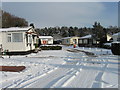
62	69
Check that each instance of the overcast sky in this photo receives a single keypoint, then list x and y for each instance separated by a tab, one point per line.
50	14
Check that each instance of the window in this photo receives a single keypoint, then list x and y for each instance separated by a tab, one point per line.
17	37
80	41
85	41
118	39
9	37
67	40
94	41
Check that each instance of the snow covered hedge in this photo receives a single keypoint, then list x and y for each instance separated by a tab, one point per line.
107	45
115	48
51	47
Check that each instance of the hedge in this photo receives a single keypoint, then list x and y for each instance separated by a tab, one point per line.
51	47
115	48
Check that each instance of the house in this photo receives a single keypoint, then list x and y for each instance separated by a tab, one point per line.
87	41
46	39
116	37
17	40
70	40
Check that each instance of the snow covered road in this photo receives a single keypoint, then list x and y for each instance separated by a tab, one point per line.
63	69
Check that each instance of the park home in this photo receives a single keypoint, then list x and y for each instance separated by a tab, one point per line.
70	40
46	40
87	41
17	40
116	37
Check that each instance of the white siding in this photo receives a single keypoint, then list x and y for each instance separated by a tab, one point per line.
12	46
116	37
0	37
48	40
70	40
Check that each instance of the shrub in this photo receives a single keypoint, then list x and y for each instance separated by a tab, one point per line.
106	45
51	47
115	48
36	45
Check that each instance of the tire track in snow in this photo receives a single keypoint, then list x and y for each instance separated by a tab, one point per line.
98	79
28	80
54	79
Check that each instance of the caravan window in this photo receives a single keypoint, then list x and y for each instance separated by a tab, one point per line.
9	37
85	41
80	41
118	39
17	37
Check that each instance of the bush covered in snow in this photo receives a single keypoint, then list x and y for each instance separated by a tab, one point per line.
107	45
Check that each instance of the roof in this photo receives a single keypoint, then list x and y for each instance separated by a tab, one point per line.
45	37
109	44
69	37
87	36
66	38
116	34
14	29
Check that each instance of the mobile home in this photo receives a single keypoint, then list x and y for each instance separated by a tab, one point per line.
87	40
70	40
116	37
17	40
46	39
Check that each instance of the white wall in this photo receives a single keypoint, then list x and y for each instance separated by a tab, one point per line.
116	37
12	46
0	37
49	40
70	41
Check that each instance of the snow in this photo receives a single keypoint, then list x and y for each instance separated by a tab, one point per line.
116	34
15	29
45	37
109	44
116	42
66	38
87	36
69	37
62	69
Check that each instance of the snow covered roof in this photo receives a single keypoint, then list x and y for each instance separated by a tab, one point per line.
87	36
14	29
45	37
66	38
69	37
116	42
109	44
116	34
